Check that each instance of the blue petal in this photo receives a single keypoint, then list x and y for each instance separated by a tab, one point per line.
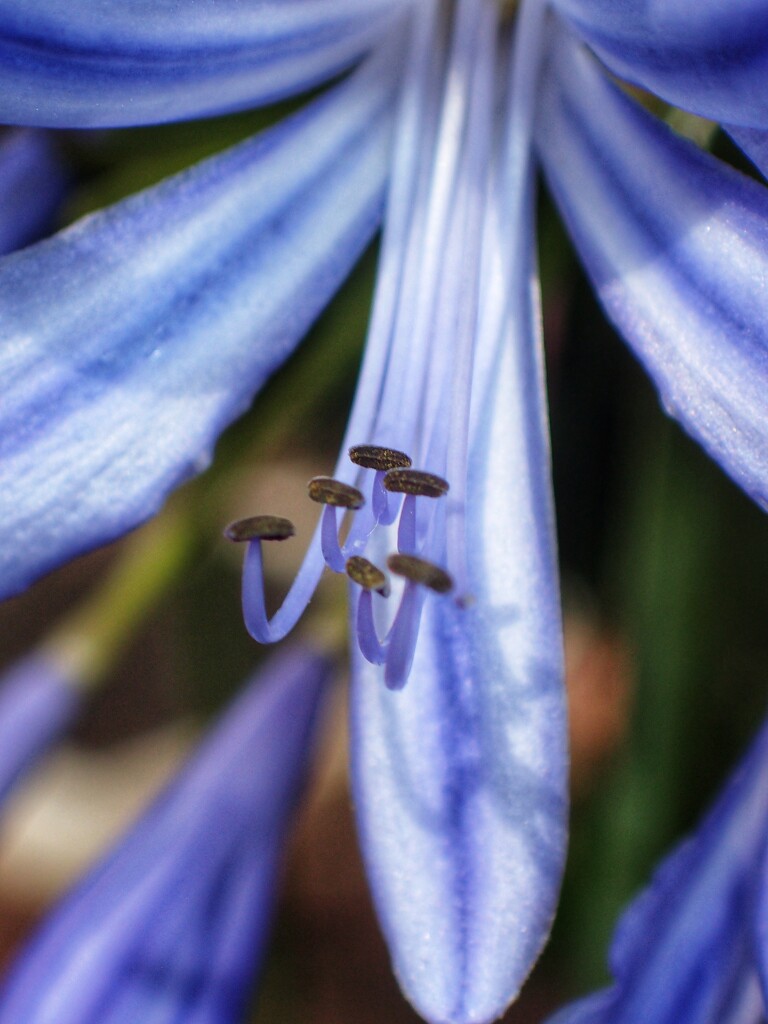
676	244
133	338
37	704
706	56
63	65
171	925
460	777
595	1009
31	188
683	953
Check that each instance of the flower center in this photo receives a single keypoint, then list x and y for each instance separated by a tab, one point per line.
438	329
400	507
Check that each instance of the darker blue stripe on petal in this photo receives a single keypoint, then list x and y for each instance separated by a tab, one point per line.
677	246
171	309
150	62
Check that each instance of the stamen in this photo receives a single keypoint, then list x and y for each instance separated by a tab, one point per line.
401	641
260	528
371	456
327	491
367	575
329	539
415	481
384	511
419	570
406	527
371	648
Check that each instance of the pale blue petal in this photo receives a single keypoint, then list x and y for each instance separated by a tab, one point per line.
706	56
31	187
37	704
171	925
132	339
460	777
676	244
683	952
62	64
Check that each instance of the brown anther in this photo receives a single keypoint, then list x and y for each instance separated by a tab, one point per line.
327	491
419	570
260	528
371	456
415	481
367	575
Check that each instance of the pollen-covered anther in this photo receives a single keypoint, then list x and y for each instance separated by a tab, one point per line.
372	456
415	481
367	575
260	528
419	570
327	491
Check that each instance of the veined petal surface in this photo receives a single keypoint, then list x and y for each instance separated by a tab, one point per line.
460	777
676	245
66	64
171	309
31	187
684	952
171	925
706	56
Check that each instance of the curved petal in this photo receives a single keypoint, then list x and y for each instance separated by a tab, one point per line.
676	244
37	704
171	309
683	952
31	188
706	56
172	924
459	778
62	65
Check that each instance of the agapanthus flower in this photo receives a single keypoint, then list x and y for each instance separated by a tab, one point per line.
171	925
132	338
690	949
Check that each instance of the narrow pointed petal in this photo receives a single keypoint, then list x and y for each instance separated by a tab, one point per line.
148	62
37	704
706	56
459	778
171	309
676	244
31	188
171	925
683	953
